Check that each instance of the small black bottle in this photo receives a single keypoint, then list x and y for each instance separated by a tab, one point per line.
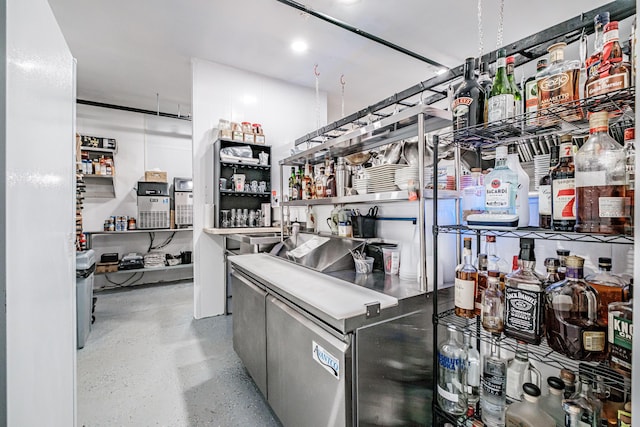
467	106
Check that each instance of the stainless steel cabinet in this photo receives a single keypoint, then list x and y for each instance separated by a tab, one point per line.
309	369
249	332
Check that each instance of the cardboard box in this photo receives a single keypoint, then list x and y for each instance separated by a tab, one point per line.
155	176
106	267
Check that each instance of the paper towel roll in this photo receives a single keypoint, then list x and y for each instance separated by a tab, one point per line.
209	214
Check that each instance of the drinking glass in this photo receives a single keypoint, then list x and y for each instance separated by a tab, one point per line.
225	218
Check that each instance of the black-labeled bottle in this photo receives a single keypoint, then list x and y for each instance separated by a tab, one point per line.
467	106
545	198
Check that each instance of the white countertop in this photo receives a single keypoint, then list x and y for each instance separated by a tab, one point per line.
337	298
241	230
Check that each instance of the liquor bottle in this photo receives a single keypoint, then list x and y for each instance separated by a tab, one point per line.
612	73
492	314
486	83
611	396
600	181
452	373
501	186
621	334
522	194
552	275
624	416
528	412
524	298
551	404
562	257
563	188
572	326
292	183
531	95
592	64
501	99
307	183
545	196
465	284
473	371
559	84
584	407
630	177
610	288
330	188
493	395
519	372
569	380
495	263
483	278
517	95
320	183
468	100
298	185
473	196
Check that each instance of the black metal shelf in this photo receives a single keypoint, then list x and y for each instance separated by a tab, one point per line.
541	353
245	165
541	233
243	193
252	144
511	130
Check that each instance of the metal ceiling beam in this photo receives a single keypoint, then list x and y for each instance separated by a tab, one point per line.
355	30
527	49
132	109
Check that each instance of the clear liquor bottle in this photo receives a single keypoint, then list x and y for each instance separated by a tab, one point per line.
592	64
501	186
552	403
465	284
531	95
452	374
552	275
524	298
545	196
583	409
563	188
600	181
495	263
572	326
528	412
473	371
492	314
522	193
610	288
519	372
493	395
621	334
307	183
501	99
321	182
630	155
559	84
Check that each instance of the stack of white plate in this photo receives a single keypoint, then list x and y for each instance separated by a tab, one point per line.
361	185
540	167
405	175
381	178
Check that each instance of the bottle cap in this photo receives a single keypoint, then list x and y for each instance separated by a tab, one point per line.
501	151
599	120
604	262
502	52
567	376
613	25
531	389
552	263
575	261
555	383
556	46
490	238
566	138
494	273
513	149
511	59
563	252
601	19
542	64
526	243
629	133
467	242
483	262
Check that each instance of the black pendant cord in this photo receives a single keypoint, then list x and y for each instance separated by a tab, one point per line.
351	28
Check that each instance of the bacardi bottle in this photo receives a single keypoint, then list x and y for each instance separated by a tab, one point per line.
501	186
522	193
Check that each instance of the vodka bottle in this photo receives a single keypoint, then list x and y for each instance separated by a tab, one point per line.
522	194
452	374
600	181
501	186
494	377
519	372
473	371
528	412
552	403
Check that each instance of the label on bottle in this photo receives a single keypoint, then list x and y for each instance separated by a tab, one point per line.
564	199
594	340
494	378
568	421
558	89
591	179
621	340
611	207
501	107
451	397
544	199
501	62
531	102
522	310
465	291
460	106
610	36
497	194
607	84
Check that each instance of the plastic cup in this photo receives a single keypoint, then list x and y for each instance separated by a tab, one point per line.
391	260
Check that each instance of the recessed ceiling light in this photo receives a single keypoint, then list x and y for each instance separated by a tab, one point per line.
441	71
299	46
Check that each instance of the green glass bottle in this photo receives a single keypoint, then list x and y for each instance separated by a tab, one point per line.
501	99
517	95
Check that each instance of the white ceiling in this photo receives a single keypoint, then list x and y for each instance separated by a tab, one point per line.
129	50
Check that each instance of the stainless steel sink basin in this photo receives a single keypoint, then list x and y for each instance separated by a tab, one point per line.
255	239
321	253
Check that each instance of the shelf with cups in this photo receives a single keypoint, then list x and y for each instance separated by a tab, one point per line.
244	193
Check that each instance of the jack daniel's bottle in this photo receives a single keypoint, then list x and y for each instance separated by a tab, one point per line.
524	298
468	100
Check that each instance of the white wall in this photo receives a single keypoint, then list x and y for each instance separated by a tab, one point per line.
286	112
144	142
39	202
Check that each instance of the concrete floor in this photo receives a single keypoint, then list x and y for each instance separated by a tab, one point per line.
147	362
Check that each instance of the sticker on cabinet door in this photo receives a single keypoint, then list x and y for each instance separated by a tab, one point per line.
326	360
